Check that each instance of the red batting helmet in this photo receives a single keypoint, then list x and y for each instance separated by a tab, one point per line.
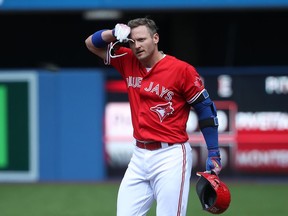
214	195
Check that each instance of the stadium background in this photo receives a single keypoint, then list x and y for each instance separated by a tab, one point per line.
61	109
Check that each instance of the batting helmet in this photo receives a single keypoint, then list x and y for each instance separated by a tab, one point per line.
214	195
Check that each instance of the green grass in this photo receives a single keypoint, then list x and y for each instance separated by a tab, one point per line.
72	199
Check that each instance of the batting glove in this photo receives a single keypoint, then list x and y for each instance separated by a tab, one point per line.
213	162
121	32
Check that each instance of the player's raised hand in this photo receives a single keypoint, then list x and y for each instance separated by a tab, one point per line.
213	162
121	32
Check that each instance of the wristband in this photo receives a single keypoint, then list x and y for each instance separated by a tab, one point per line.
97	39
214	153
113	32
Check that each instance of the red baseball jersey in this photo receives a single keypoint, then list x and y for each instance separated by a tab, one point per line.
159	99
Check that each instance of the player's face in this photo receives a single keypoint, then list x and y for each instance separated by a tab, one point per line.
144	45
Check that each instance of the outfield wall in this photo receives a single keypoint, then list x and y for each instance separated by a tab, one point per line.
75	125
53	128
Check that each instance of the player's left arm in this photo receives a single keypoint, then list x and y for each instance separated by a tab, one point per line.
208	123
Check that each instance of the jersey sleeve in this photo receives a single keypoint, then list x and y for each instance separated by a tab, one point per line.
192	84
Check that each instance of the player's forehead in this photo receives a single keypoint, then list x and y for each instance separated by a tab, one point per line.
139	32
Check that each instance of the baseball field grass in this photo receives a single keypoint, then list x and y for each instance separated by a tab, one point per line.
99	199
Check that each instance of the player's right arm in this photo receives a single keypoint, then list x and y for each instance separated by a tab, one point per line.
97	43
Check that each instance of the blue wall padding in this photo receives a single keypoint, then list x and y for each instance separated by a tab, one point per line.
71	110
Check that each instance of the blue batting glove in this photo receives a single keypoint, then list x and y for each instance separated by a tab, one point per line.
213	162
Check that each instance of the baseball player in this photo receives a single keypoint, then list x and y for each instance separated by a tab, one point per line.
161	90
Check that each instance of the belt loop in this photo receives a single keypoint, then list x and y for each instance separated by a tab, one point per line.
164	145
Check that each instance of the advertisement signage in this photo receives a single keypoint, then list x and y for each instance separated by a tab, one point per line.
253	123
18	127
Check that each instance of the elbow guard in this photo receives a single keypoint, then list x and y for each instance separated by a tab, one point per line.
206	110
208	121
